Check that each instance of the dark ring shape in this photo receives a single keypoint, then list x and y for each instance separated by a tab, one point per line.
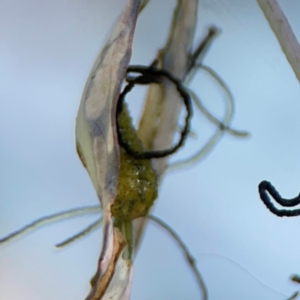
153	75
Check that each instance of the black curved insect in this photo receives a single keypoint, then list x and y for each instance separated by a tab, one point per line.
266	187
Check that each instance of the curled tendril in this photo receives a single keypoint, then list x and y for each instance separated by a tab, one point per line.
153	75
223	126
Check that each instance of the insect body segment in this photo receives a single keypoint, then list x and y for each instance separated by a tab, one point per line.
137	185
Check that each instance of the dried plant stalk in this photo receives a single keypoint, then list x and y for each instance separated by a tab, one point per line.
158	121
283	32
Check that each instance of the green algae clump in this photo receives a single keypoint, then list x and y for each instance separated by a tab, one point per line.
137	184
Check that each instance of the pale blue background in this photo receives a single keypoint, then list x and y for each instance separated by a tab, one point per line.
46	51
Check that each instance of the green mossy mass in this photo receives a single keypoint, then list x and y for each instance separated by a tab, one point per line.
137	186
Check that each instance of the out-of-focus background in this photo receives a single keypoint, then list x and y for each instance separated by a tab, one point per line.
46	51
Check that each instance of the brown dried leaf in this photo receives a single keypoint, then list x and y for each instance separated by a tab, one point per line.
100	284
97	144
96	137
